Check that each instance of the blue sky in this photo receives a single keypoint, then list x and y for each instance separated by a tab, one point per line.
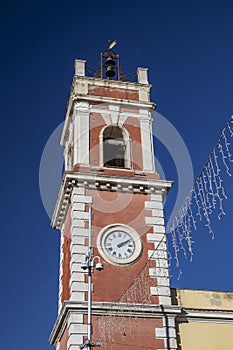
187	46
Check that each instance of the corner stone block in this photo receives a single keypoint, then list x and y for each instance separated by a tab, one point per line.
77	240
78	191
163	281
78	249
78	223
160	245
81	328
155	205
81	249
156	197
78	207
157	254
154	221
73	340
164	300
81	199
162	263
170	321
77	276
158	229
75	318
158	272
160	333
79	215
78	287
77	296
75	267
155	237
79	231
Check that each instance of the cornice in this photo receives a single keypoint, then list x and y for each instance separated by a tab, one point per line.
200	315
100	182
75	96
111	83
109	309
136	310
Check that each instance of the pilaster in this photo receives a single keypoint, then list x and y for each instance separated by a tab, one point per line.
81	121
146	141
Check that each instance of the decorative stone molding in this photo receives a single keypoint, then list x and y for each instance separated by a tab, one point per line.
78	245
98	181
111	309
60	271
159	254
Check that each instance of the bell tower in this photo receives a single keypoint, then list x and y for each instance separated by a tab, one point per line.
109	211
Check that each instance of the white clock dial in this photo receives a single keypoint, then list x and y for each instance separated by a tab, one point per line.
119	244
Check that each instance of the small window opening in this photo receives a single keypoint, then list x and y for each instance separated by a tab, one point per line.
113	147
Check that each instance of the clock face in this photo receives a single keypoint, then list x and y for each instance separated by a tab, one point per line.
119	244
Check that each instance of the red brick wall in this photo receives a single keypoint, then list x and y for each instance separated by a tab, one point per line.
97	123
64	340
138	334
114	280
132	125
115	93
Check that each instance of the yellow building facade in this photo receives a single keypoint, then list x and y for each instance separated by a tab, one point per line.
206	319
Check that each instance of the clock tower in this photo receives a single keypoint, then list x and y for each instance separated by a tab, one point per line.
109	211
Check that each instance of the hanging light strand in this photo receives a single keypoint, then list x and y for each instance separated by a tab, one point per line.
204	199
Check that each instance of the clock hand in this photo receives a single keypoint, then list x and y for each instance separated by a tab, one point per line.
123	243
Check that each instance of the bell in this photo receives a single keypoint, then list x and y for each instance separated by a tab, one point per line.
109	61
110	72
110	64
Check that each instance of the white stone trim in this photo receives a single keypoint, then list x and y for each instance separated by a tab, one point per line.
95	180
167	333
155	237
79	218
61	270
160	270
81	199
163	291
142	75
76	330
157	254
79	67
79	231
156	222
81	121
146	141
163	281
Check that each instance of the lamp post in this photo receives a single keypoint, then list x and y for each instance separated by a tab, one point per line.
89	265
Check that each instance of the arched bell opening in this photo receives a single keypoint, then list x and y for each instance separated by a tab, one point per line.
115	147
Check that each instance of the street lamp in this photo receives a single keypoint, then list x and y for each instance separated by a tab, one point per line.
89	265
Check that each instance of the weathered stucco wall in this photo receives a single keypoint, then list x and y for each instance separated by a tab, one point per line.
206	321
208	300
206	336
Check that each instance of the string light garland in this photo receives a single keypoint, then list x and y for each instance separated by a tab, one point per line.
204	199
